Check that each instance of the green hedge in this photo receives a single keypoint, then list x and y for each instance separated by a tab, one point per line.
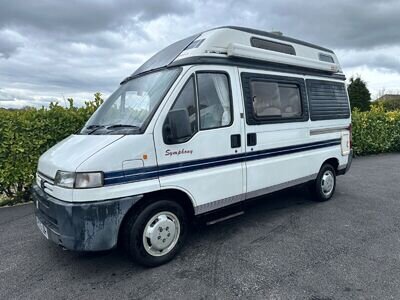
376	131
26	134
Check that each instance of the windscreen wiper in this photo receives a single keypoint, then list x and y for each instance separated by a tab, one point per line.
122	126
94	127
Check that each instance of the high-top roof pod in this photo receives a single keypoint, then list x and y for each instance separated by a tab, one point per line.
244	46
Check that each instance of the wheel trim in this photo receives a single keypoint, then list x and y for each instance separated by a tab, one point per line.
327	183
161	233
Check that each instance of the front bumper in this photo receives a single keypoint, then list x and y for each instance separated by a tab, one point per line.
88	226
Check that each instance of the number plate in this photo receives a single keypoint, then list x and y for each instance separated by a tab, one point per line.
42	228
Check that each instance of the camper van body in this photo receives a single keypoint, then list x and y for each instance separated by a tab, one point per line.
213	120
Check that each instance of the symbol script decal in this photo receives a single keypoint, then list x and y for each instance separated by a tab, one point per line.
169	152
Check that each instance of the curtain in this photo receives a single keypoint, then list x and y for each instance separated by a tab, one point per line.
222	88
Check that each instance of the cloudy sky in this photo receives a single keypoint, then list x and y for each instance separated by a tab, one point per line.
52	50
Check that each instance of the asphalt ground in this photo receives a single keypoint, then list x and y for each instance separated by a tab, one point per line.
284	247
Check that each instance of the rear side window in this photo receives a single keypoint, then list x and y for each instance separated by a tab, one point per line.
274	99
328	100
272	46
271	99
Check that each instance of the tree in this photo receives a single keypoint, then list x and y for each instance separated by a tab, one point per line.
359	94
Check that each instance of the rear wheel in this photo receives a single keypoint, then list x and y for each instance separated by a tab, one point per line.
156	234
324	186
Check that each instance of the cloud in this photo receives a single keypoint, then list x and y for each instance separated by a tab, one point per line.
60	49
381	59
16	97
76	16
5	97
341	24
10	41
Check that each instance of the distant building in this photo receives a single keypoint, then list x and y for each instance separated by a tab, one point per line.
389	97
390	101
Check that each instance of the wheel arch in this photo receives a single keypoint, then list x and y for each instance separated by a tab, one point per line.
171	193
333	161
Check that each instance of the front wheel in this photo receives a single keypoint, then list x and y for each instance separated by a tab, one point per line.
324	186
156	234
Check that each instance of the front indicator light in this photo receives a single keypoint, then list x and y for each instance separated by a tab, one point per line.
65	179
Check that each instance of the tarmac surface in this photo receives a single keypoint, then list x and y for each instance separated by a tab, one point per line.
284	247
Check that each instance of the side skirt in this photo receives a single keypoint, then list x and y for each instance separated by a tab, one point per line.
222	203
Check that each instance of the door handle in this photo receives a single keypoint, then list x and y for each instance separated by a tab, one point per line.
251	139
235	141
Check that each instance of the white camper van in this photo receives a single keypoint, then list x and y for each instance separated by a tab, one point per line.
210	121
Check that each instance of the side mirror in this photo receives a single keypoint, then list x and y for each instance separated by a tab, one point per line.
177	126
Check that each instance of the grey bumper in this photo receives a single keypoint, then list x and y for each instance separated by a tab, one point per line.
346	168
89	226
349	161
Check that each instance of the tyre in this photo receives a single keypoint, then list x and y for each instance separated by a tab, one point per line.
324	186
155	235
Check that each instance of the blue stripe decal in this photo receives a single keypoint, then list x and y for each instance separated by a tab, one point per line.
118	177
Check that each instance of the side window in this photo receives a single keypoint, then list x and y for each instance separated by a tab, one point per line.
275	100
290	101
326	58
266	99
328	100
181	122
272	46
214	100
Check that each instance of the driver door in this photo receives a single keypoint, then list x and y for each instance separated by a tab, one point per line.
199	138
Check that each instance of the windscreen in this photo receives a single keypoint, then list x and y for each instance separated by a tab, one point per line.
129	108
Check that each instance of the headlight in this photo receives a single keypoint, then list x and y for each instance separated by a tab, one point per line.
88	180
79	180
65	179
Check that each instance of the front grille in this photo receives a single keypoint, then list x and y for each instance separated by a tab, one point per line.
45	182
45	177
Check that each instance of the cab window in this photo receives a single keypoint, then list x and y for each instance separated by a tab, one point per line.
204	103
181	122
214	100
